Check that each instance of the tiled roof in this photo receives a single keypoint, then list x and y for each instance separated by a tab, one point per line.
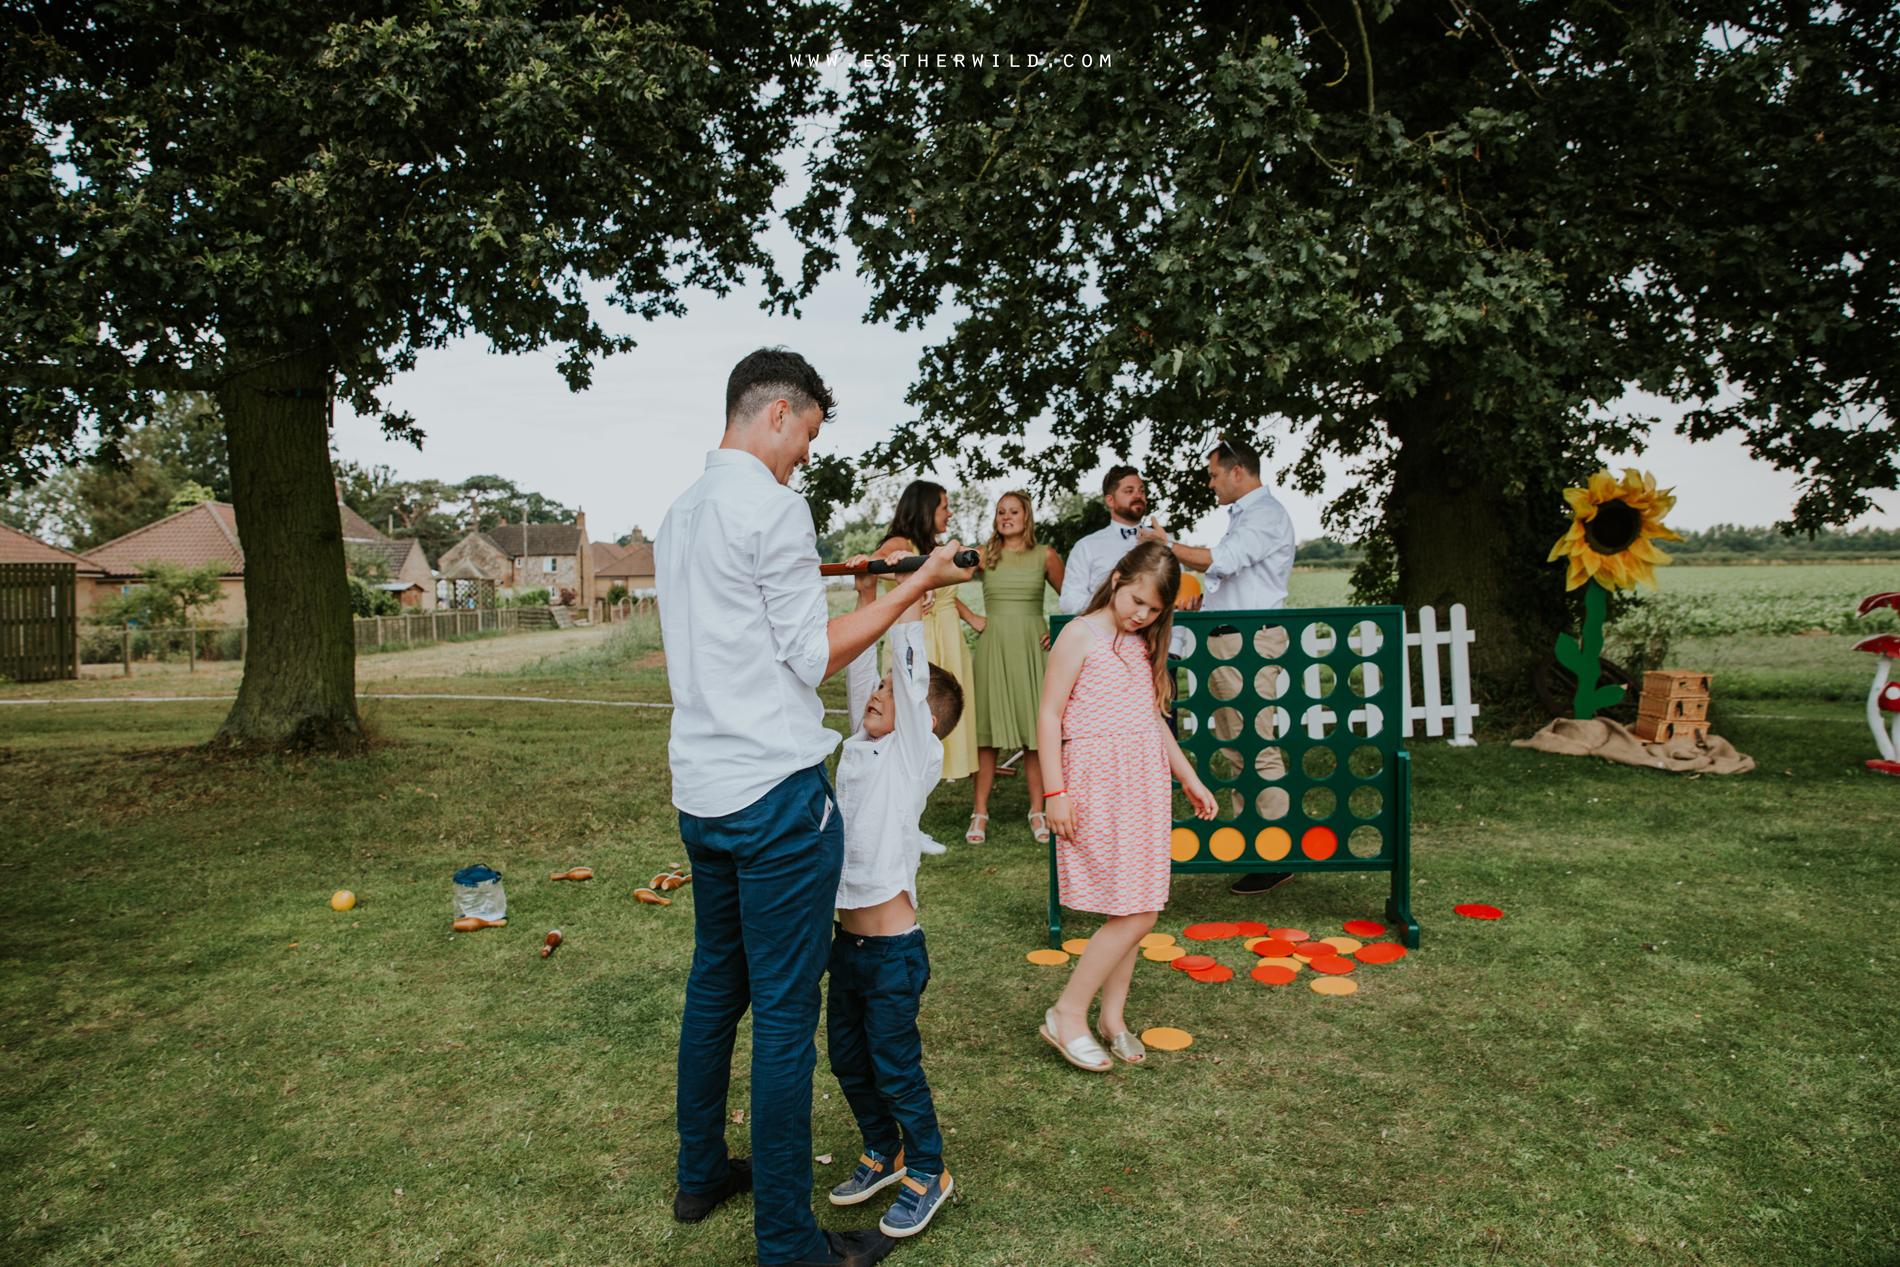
357	528
637	561
605	552
392	554
206	533
526	540
24	547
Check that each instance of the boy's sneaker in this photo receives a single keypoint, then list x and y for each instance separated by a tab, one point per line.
875	1172
919	1200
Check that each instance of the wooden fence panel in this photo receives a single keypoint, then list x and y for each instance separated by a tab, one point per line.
39	633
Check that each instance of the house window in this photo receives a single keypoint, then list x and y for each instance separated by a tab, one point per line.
547	565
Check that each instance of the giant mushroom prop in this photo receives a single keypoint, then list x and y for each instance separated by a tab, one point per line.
1885	697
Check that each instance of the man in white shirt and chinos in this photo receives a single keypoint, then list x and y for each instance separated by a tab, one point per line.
743	619
1249	569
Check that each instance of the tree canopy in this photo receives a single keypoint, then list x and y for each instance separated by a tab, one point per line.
1431	241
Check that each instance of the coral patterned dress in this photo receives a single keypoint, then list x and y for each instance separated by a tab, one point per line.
1115	770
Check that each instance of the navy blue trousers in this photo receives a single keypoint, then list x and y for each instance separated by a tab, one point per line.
764	881
876	1052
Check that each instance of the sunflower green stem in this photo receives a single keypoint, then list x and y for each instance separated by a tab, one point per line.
1585	659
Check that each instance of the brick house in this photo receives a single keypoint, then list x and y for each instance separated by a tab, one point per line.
410	578
520	557
633	569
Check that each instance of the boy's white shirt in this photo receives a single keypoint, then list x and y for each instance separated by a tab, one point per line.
882	784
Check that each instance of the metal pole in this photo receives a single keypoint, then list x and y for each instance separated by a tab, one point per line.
128	648
191	647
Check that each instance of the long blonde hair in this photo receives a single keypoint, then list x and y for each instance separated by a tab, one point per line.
1155	562
993	548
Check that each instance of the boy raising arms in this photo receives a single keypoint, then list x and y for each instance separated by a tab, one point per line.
879	966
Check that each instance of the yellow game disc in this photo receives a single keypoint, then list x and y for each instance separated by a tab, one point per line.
1157	939
342	900
1346	944
1048	958
1076	945
1295	964
1164	1039
1227	844
1183	845
1163	954
1251	942
1334	985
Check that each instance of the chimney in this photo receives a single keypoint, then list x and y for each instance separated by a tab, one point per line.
580	520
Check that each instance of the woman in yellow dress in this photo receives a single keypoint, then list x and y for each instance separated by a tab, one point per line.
923	512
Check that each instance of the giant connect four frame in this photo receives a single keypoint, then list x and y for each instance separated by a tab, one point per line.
1293	717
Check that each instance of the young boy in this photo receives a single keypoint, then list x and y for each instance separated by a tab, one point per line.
879	967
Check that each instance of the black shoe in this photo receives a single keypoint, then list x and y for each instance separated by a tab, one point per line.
691	1207
1260	882
852	1249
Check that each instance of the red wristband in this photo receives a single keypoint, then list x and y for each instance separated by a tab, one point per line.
1057	792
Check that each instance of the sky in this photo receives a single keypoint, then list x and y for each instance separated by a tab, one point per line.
624	449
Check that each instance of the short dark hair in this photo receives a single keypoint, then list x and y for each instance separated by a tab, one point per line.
1231	453
769	374
945	698
1116	474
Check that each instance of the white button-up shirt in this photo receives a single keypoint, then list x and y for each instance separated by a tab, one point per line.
1093	558
742	617
1254	560
883	783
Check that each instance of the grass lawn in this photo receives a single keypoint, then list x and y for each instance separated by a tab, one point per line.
1677	1046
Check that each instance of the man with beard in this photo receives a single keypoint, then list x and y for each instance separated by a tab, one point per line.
1096	555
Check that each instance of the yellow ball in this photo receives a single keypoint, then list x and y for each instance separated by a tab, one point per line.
342	900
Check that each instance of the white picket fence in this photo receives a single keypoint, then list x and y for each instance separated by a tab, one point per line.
1436	710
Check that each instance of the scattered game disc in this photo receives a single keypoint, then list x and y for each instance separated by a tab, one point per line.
1333	985
1333	965
1251	942
1364	928
1163	954
1271	946
1076	945
1191	963
1289	934
1314	950
1247	928
1164	1039
1219	972
1344	945
1048	958
1380	952
1209	932
1273	974
1151	940
1291	965
1478	910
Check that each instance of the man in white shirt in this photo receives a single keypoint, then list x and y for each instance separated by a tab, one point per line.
1249	569
1096	555
743	620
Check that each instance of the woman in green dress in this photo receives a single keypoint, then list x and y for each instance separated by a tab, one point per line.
1011	651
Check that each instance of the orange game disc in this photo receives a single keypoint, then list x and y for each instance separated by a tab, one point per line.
1161	1038
1364	928
1191	963
1209	932
1076	945
1270	974
1380	952
1333	965
1291	965
1247	928
1289	934
1163	954
1251	942
1333	985
1219	972
1344	945
1478	910
1319	843
1272	946
1151	940
1047	958
1314	950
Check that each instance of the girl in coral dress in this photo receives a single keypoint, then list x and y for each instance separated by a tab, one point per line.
1105	748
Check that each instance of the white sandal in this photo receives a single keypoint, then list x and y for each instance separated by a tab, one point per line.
1083	1052
976	835
1041	833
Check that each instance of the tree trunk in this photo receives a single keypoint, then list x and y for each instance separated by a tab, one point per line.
1460	537
299	687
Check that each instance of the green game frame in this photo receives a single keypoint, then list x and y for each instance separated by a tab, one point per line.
1337	797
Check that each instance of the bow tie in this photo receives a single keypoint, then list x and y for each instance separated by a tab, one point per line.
1129	532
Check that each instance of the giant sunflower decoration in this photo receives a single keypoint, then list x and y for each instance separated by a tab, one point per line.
1614	524
1612	531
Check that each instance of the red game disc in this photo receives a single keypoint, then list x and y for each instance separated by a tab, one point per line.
1314	950
1380	952
1191	963
1334	964
1478	910
1364	928
1273	974
1209	932
1289	934
1216	973
1247	928
1273	948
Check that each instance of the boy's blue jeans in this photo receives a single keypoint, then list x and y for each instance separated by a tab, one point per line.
764	881
876	1052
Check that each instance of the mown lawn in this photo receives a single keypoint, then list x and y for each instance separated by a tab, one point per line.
204	1063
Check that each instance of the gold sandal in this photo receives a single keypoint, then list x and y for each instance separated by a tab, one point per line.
1127	1046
